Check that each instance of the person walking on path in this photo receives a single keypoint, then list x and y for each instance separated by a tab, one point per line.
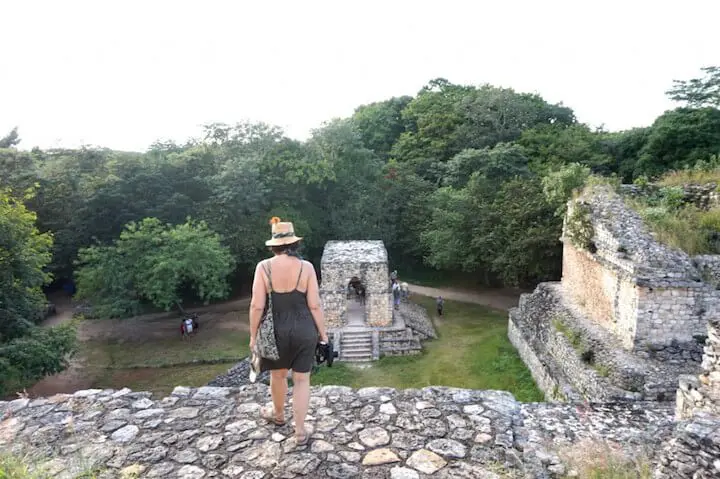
440	303
299	324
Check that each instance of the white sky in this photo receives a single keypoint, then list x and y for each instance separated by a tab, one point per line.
122	74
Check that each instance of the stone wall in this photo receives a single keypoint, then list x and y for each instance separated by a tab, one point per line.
416	318
607	295
702	393
379	309
709	267
694	450
571	358
382	433
651	296
334	308
548	376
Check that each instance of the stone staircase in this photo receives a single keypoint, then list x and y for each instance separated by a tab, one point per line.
356	346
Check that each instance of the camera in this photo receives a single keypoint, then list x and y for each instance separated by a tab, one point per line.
325	352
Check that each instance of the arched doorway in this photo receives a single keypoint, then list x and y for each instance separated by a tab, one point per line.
356	296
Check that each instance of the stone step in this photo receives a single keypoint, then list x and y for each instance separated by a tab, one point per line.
358	350
355	357
356	341
356	334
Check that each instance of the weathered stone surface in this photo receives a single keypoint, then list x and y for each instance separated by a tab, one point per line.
378	457
374	436
426	461
220	434
403	473
125	434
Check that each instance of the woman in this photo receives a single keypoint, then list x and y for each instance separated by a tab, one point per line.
299	323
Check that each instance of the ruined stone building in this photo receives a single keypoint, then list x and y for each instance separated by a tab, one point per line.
607	344
366	260
363	328
629	316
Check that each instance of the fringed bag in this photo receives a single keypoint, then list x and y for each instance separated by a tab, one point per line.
266	342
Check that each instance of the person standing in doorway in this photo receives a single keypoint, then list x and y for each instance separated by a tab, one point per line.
440	303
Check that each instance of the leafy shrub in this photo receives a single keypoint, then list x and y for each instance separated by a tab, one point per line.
153	262
579	229
41	352
687	228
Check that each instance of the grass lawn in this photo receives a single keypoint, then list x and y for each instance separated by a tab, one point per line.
158	365
160	381
472	351
154	352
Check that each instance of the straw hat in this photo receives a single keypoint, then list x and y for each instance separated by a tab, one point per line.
282	233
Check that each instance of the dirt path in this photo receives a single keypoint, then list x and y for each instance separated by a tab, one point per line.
63	310
502	299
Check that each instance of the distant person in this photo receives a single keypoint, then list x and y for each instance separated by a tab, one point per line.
186	327
69	288
393	276
299	324
396	293
404	290
440	302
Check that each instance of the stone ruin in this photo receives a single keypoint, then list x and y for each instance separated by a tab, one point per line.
631	320
366	260
619	317
628	317
370	433
365	331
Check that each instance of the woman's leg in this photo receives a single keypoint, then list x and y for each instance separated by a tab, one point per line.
301	400
278	391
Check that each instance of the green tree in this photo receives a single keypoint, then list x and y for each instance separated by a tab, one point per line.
550	147
11	139
381	124
559	185
26	352
698	92
155	263
625	147
500	163
678	139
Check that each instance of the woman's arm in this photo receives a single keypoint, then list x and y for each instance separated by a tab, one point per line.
314	303
257	303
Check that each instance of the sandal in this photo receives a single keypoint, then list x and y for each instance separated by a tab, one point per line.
303	439
268	414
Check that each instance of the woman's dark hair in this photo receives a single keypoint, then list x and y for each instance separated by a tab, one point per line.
288	249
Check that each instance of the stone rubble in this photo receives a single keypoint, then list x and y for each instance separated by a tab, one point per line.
368	433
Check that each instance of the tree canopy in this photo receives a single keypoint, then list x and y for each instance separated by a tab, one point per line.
435	175
155	263
27	352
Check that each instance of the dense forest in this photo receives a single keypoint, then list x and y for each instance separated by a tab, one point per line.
455	178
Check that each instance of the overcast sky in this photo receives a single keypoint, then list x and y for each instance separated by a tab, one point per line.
123	74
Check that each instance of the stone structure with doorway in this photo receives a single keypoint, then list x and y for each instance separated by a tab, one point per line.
344	262
365	326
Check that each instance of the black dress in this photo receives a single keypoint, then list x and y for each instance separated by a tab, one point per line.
295	330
